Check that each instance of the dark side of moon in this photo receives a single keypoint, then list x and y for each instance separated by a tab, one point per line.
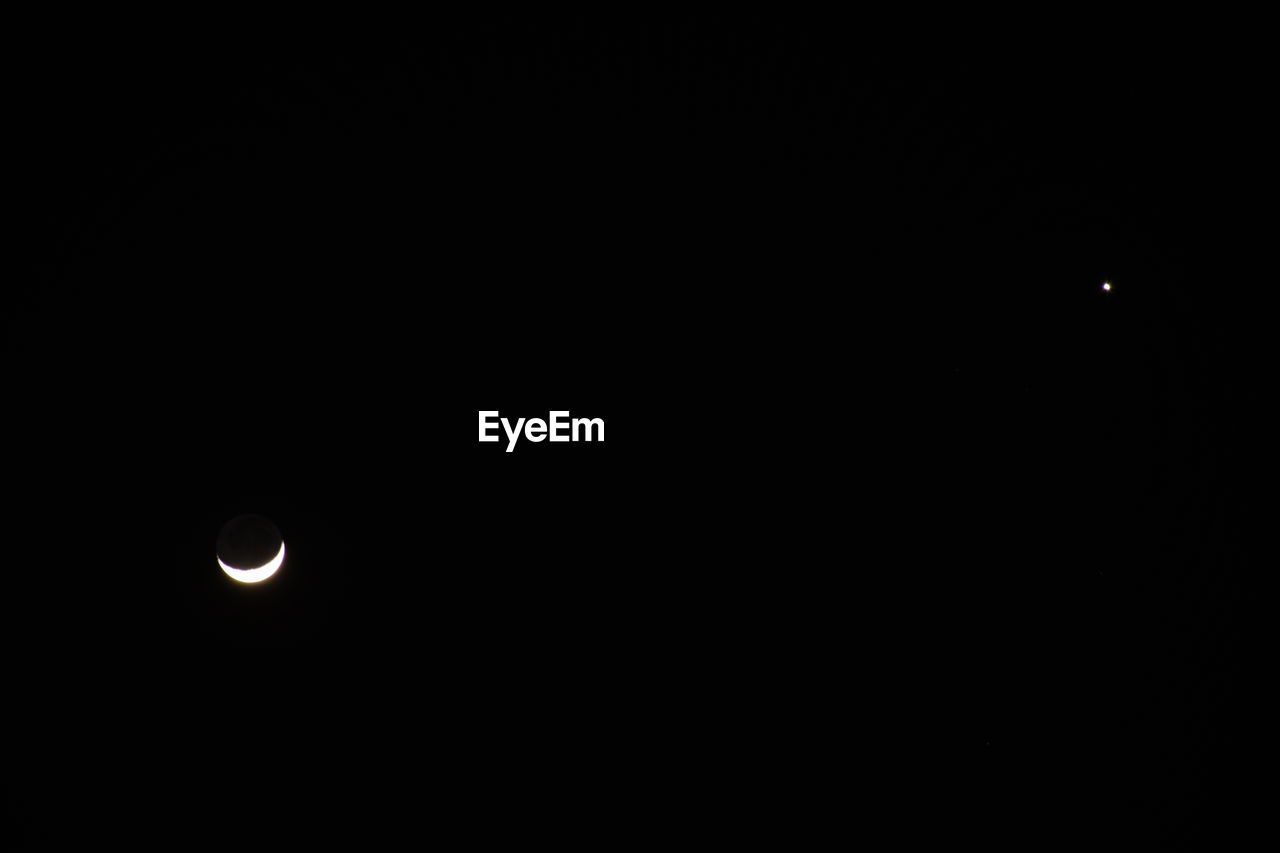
249	541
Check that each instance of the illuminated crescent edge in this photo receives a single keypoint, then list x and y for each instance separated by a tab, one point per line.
257	575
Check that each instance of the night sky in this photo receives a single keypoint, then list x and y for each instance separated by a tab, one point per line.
901	517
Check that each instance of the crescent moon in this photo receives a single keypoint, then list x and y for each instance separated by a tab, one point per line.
257	575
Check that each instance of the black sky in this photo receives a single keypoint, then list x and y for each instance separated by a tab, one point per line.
881	453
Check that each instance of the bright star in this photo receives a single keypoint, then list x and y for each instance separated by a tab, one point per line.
1106	285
